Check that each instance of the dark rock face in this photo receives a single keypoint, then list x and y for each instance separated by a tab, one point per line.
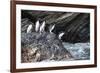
75	25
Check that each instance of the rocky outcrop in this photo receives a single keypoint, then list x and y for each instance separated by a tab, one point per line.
41	46
38	47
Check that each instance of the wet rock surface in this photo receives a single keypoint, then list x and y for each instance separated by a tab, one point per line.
79	51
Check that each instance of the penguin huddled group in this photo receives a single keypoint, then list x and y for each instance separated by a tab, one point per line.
41	28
